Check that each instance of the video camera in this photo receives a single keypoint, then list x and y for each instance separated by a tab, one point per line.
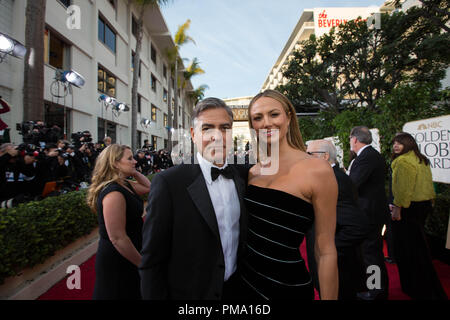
82	137
38	134
29	150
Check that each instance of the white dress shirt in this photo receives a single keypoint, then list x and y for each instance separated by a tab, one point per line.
226	205
361	150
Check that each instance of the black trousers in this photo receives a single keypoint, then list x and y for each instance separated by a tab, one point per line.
372	254
418	277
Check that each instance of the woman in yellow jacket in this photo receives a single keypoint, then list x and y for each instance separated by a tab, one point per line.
412	189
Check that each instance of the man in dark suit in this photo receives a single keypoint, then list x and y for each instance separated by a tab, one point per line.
195	225
368	173
351	227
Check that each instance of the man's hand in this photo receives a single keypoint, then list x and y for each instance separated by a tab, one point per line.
13	152
29	159
53	153
396	213
83	147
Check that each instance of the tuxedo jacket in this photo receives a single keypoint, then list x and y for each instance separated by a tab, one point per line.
368	173
351	222
182	255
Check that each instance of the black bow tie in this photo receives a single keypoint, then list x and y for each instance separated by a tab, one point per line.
227	172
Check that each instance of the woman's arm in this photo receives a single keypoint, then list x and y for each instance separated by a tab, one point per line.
324	199
114	213
142	184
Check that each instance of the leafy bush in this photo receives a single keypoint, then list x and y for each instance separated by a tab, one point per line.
405	103
437	222
33	231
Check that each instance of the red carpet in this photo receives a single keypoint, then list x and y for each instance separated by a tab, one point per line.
60	291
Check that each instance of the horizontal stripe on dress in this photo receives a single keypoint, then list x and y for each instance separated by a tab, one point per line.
251	286
266	205
276	224
283	261
273	241
276	281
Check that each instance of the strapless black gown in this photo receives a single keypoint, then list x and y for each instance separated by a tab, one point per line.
273	268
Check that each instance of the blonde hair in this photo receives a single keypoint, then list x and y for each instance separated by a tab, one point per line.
294	136
105	172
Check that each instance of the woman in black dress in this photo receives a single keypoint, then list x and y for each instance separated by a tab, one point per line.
287	191
119	207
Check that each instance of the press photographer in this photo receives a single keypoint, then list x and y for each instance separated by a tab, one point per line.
144	162
38	134
17	174
85	154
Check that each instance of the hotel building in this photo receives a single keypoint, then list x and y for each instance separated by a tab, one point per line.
101	50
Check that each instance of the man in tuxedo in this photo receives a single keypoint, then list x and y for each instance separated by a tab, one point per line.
194	229
368	173
351	227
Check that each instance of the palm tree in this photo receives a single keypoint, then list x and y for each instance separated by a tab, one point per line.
142	5
197	94
33	82
192	70
181	38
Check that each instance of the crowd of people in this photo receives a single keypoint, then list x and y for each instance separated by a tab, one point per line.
45	164
231	230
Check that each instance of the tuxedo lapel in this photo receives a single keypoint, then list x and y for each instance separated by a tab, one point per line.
200	196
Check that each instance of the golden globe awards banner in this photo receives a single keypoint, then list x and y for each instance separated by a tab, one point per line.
433	138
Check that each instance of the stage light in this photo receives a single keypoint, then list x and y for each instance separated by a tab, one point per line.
71	77
145	122
107	100
10	46
122	107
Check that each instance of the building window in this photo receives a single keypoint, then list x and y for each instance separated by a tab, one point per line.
153	54
106	128
66	3
106	82
166	143
153	113
166	122
139	103
165	71
139	137
106	34
153	82
165	95
155	142
54	115
113	3
132	63
134	26
56	51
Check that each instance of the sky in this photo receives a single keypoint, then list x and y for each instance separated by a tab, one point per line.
238	41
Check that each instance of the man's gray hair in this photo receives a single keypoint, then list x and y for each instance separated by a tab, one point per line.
362	133
329	147
210	103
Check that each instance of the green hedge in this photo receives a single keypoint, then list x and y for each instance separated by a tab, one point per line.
437	222
33	231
